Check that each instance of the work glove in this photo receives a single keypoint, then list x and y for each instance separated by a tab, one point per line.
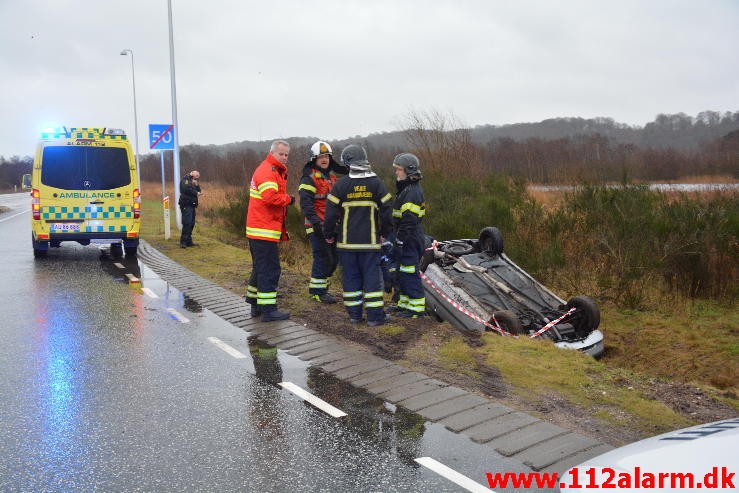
318	230
330	238
398	249
292	199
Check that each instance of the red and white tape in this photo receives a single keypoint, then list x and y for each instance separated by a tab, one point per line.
462	309
551	324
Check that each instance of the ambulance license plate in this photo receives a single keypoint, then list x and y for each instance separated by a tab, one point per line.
65	227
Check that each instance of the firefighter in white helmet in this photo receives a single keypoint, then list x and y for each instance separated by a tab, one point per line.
319	176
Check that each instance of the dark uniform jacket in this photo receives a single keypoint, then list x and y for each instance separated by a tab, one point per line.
408	210
361	209
188	192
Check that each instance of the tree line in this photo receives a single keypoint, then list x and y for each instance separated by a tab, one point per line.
560	150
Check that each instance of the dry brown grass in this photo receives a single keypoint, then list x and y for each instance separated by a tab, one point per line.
214	195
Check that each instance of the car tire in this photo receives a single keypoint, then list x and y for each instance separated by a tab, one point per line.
458	248
508	321
491	241
586	317
427	259
131	251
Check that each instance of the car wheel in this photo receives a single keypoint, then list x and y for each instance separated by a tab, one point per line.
131	251
586	317
508	321
458	248
491	241
426	259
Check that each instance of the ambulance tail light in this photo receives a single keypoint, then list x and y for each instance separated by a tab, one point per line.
136	203
36	203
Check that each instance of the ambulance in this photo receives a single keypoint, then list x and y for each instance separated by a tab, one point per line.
84	188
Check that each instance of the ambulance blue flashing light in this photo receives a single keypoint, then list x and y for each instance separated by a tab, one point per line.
54	132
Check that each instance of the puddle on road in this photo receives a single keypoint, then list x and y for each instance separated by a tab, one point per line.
394	429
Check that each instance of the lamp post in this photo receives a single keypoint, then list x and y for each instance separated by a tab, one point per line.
173	90
135	116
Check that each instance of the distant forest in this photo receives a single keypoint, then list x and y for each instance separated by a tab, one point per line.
558	150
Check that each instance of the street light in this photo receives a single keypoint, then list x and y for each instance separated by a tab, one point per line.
135	116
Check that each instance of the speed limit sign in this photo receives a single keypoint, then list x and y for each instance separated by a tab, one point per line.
161	137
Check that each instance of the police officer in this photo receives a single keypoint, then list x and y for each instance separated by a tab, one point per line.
319	175
265	228
189	192
408	211
360	205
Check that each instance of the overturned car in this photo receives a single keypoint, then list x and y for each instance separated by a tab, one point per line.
474	286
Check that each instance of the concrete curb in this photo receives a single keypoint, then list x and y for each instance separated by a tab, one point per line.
539	445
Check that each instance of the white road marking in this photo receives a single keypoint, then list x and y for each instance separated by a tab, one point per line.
133	279
312	399
453	475
14	215
119	265
148	292
222	345
178	316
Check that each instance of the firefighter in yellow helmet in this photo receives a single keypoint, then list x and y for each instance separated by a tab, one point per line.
319	176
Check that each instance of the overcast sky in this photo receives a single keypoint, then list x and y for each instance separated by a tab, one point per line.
249	70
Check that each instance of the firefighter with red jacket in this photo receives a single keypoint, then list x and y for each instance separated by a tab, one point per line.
360	205
408	211
319	176
265	228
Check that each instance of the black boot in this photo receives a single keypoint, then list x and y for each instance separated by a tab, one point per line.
274	315
255	310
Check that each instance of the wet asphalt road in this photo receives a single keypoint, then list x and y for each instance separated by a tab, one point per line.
104	388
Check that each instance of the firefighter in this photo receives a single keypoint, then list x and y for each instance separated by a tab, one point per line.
408	211
360	205
319	175
265	228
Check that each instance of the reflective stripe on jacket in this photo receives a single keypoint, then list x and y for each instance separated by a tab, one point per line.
408	210
313	190
268	201
361	208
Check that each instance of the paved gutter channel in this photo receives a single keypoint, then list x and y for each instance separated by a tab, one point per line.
536	443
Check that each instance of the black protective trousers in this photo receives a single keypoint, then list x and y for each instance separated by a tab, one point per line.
265	274
188	223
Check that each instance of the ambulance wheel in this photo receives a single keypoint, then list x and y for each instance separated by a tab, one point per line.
131	251
491	241
39	252
508	321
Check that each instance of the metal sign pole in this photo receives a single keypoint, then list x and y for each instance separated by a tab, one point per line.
163	137
173	84
165	203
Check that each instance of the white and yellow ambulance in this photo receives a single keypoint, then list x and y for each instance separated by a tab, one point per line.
84	188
